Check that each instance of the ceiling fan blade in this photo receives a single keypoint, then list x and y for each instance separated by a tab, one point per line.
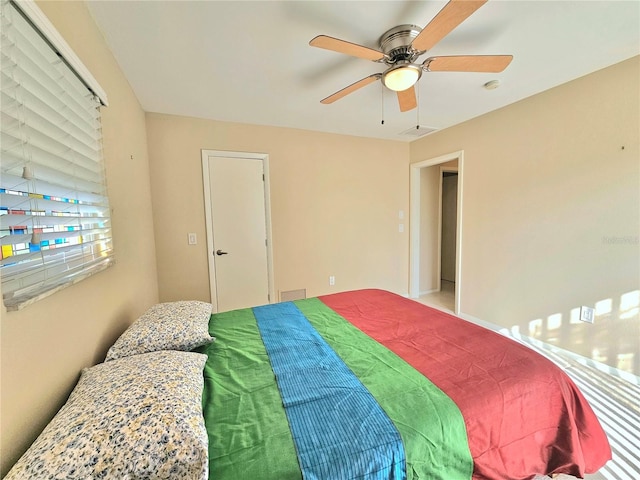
407	99
453	14
468	63
351	88
348	48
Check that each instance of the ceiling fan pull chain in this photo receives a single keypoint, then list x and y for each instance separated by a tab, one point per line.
382	101
418	105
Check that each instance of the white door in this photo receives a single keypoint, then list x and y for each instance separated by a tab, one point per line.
236	231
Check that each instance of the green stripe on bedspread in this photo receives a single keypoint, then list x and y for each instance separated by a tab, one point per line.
249	435
430	424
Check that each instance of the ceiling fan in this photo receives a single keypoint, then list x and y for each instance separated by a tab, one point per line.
401	46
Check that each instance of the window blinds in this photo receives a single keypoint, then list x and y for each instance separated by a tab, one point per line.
54	212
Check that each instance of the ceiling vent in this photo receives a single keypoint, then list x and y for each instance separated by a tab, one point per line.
418	131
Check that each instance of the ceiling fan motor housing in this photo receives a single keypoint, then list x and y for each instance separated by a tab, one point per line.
396	44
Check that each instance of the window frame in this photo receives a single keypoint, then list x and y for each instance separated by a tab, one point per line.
43	25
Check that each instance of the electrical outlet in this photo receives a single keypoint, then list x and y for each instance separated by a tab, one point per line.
193	239
587	314
332	280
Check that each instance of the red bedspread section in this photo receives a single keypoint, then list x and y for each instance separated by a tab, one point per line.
524	416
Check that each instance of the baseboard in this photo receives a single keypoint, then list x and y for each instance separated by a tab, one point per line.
427	292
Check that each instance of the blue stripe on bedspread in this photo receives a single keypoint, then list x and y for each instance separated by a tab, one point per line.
339	429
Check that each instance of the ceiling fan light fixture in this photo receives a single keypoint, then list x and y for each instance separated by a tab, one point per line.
400	77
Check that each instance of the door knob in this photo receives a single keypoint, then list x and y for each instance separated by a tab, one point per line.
220	252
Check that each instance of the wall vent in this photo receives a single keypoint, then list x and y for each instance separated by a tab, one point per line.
290	295
420	131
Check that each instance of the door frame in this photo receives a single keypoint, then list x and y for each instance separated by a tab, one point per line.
414	223
264	157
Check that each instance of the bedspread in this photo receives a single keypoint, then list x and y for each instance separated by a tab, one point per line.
368	384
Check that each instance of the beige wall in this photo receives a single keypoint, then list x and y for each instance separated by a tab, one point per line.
45	346
429	203
334	205
551	210
449	227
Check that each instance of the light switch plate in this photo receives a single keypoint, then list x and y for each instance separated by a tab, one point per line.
193	239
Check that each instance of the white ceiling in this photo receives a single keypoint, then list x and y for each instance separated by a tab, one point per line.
250	61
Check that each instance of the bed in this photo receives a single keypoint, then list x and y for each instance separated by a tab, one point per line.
363	384
373	382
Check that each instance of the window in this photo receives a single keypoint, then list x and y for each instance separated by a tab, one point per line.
54	211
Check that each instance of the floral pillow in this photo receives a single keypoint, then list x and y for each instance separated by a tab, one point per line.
133	418
180	325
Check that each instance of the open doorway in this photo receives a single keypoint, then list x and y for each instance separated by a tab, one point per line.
436	228
444	297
